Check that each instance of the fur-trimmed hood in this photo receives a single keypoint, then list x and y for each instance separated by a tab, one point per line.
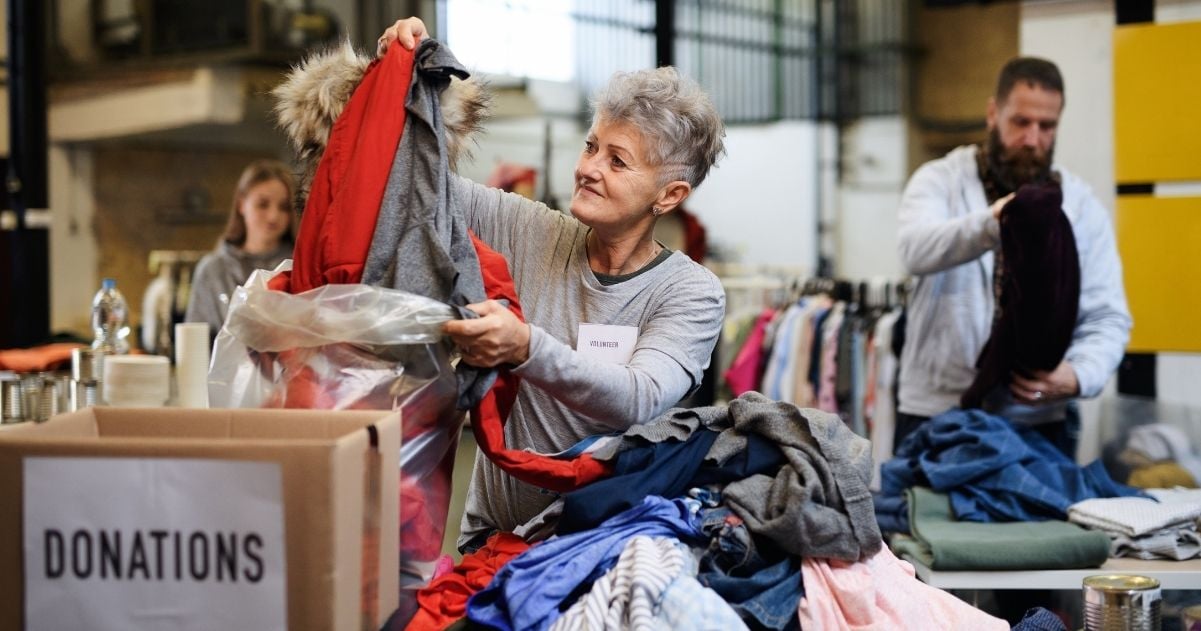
314	93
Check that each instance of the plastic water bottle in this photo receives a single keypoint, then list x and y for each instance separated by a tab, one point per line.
110	319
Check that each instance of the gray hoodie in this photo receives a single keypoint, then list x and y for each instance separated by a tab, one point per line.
219	273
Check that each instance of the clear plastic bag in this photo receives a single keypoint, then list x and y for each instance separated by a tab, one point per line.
343	347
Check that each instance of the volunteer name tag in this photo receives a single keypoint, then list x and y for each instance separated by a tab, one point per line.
153	543
607	342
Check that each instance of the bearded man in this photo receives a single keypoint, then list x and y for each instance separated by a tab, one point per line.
950	239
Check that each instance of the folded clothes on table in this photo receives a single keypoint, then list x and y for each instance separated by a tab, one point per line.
942	543
1177	544
1133	516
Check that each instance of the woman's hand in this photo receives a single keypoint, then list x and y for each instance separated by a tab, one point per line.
408	32
496	337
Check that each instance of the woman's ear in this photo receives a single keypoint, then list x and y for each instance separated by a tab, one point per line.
672	195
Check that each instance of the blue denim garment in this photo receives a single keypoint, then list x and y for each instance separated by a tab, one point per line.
765	595
688	605
993	471
731	549
768	598
892	512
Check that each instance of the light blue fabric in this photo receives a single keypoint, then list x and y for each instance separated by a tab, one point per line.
527	592
688	605
781	351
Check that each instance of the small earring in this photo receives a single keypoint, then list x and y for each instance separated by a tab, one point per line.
656	211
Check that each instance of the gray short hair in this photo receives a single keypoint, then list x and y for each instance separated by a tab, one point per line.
682	128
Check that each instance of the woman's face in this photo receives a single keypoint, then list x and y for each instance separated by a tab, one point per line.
615	186
267	211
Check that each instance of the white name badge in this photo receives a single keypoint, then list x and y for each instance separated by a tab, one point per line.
607	342
153	543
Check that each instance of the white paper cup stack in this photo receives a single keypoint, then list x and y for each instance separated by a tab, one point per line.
192	364
136	381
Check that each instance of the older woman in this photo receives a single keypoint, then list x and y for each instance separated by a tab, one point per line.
619	327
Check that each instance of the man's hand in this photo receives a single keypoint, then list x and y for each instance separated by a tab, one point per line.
408	32
497	337
996	207
1045	387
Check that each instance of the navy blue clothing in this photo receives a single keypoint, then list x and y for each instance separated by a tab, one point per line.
764	596
667	469
993	471
892	512
664	469
762	455
815	352
1039	619
527	592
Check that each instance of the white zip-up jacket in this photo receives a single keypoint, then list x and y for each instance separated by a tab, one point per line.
947	239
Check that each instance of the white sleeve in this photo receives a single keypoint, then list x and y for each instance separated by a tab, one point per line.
1103	323
930	239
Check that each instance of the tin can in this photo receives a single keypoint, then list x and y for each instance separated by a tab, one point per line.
87	364
1190	618
1116	602
12	401
41	394
84	394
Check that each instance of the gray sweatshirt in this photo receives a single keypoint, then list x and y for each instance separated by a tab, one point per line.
566	395
219	273
947	238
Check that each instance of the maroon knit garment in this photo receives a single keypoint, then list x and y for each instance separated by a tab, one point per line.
1040	291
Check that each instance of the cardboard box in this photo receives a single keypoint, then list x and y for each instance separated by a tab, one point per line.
339	474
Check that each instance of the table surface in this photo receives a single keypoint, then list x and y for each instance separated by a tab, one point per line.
1171	575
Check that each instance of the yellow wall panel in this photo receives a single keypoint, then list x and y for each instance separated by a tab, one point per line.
1157	102
1159	239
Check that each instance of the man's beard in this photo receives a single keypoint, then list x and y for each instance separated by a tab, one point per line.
1007	170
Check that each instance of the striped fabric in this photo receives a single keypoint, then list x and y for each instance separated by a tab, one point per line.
627	596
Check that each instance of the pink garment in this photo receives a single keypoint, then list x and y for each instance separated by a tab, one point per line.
826	398
745	371
881	594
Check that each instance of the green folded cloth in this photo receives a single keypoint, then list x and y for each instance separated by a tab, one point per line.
941	543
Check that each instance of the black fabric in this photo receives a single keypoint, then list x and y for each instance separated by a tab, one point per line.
815	351
1040	292
904	425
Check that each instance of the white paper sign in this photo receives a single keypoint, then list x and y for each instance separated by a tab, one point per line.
153	543
607	342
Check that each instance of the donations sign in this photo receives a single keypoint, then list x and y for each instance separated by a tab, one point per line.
153	543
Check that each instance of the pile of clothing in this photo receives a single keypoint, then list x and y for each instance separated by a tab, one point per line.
753	515
970	491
